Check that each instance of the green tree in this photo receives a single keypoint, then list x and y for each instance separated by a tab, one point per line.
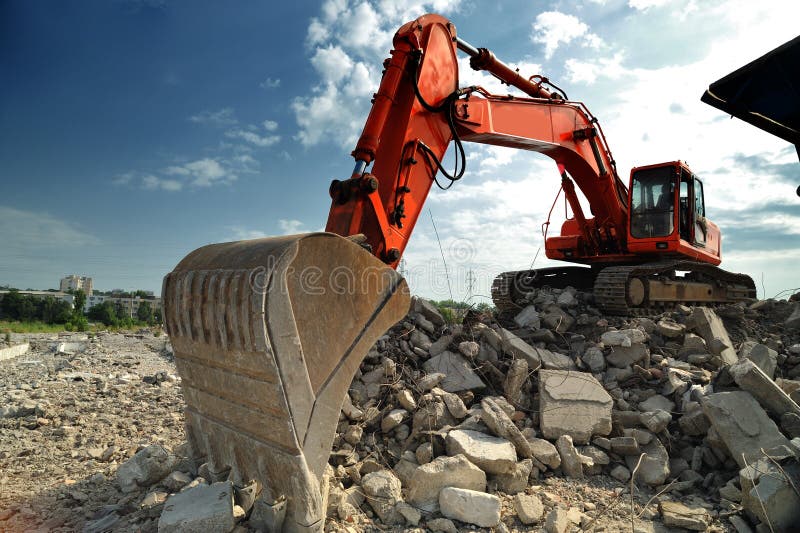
79	302
54	311
11	304
145	312
104	312
27	308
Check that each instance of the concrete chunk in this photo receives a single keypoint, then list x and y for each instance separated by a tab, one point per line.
529	508
457	370
623	337
150	465
679	515
654	468
470	506
751	377
493	455
430	478
623	356
742	425
202	508
766	488
574	404
518	348
382	489
14	351
571	460
501	425
528	317
709	326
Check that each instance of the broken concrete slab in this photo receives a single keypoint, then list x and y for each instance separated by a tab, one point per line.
571	460
544	451
742	424
514	481
69	348
201	508
457	370
709	326
498	421
429	479
574	404
676	514
528	317
751	378
505	341
516	377
670	329
14	351
555	361
529	508
623	337
769	494
557	320
654	468
623	356
470	506
383	490
150	465
493	455
428	310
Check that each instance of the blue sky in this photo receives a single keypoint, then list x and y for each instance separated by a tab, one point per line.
132	132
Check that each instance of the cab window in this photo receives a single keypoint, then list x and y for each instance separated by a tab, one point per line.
653	202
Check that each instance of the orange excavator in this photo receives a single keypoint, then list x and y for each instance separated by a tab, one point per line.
269	333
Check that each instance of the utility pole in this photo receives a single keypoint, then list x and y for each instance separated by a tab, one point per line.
470	283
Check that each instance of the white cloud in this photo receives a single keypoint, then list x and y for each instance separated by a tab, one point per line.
348	61
27	230
331	63
222	117
269	125
270	83
151	182
644	5
241	233
290	226
207	172
588	72
174	170
253	137
553	28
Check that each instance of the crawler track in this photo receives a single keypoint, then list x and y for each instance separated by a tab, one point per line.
625	290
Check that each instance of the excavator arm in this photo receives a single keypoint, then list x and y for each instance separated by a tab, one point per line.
419	111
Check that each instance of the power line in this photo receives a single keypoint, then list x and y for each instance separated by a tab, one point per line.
446	273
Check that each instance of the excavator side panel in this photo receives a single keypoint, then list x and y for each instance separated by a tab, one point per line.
267	336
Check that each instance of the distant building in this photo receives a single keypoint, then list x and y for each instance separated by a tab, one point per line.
74	283
129	305
92	300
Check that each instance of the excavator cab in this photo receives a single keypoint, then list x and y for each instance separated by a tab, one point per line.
667	214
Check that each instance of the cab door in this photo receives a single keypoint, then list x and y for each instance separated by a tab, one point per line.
700	228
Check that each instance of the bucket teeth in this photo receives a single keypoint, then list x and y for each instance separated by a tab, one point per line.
267	336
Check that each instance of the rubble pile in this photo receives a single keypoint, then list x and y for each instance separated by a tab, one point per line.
551	418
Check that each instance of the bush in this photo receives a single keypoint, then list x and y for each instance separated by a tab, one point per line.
77	323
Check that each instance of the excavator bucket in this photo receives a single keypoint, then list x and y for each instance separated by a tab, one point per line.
267	335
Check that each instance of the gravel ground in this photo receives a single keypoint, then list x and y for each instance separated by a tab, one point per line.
89	411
